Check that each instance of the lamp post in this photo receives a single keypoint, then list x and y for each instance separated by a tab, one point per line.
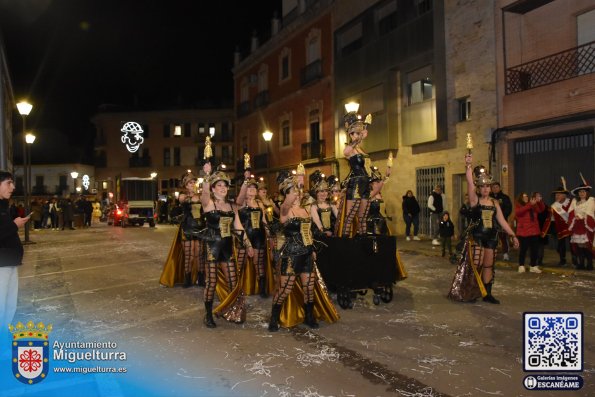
74	175
267	136
24	109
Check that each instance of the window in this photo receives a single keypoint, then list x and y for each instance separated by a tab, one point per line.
464	108
164	184
201	128
263	78
176	156
284	63
177	130
212	130
225	157
351	39
187	130
386	16
420	86
166	130
225	132
166	157
314	126
313	46
38	181
285	133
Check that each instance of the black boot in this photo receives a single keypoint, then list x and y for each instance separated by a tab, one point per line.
201	279
575	261
208	320
489	297
310	321
275	313
581	262
262	288
187	280
589	261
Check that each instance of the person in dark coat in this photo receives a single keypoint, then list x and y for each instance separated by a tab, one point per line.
506	207
11	254
446	229
411	215
67	207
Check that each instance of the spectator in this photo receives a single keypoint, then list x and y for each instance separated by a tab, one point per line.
54	209
67	207
446	231
542	217
87	208
11	255
465	214
411	215
506	206
527	229
36	210
436	204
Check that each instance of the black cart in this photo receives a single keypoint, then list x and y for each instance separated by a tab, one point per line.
351	266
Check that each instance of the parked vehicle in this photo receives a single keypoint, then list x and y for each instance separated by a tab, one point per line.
114	215
138	205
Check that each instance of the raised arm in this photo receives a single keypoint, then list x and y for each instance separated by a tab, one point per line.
241	199
205	196
473	199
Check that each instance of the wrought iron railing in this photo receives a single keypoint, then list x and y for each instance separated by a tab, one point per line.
311	72
313	150
261	99
564	65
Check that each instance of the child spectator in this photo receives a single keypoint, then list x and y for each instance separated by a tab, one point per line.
446	230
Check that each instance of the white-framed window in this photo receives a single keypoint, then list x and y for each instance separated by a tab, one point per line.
313	46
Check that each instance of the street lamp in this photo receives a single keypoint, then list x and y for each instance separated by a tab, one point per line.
24	109
267	136
74	175
351	107
153	175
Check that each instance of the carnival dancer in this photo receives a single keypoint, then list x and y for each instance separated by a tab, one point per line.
252	216
221	217
475	273
357	184
183	264
377	217
296	266
559	214
581	223
324	215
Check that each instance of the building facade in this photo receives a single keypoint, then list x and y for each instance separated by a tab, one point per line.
7	109
167	143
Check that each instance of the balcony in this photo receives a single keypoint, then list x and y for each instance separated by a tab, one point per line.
313	150
564	65
261	99
311	72
135	162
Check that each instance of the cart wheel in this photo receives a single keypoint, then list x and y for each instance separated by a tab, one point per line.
343	299
362	292
376	300
387	294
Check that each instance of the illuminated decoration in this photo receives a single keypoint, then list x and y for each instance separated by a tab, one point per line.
469	143
208	151
176	195
86	182
212	131
132	136
78	189
246	161
110	195
153	175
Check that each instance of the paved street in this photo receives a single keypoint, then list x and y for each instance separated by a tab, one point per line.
101	284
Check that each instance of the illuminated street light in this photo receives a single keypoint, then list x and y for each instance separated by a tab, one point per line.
24	109
74	175
268	136
153	174
351	107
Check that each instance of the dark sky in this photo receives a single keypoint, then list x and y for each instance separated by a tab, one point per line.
70	56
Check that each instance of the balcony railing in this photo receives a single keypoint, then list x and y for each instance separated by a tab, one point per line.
311	72
313	150
551	69
244	108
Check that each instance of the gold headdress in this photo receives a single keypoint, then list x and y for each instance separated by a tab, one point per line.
188	176
219	175
481	176
354	121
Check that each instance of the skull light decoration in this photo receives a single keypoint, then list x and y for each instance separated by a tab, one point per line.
132	136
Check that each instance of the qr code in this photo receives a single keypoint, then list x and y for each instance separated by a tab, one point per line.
553	342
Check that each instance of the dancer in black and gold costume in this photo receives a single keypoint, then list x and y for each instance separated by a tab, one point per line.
184	263
324	215
252	216
475	273
297	261
376	213
221	219
357	184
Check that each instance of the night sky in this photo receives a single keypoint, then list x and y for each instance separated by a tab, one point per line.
71	56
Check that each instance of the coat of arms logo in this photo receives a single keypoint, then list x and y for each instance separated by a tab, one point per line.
30	351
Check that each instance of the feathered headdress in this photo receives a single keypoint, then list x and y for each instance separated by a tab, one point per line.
584	186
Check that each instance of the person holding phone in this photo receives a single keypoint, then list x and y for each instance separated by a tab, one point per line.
11	254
